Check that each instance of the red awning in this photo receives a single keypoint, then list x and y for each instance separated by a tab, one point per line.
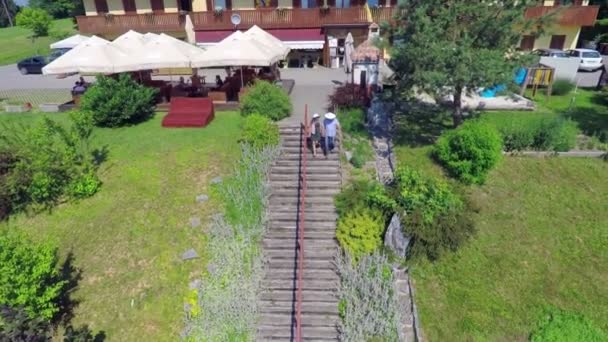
286	35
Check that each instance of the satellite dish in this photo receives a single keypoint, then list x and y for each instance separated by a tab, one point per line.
235	19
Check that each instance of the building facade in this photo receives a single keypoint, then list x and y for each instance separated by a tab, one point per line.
314	29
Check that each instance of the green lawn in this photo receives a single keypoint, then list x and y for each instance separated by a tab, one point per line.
127	239
541	240
17	44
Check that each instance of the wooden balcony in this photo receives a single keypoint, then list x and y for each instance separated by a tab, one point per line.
118	24
566	15
272	18
383	14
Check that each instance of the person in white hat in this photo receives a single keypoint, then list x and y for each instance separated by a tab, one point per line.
316	133
331	125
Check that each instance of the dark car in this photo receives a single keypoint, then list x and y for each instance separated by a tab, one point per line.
32	65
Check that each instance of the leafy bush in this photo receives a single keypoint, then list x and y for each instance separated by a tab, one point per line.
562	87
362	193
266	99
352	121
16	325
362	152
349	95
556	135
446	232
367	306
35	19
360	233
259	131
557	326
470	151
412	191
47	161
118	101
28	275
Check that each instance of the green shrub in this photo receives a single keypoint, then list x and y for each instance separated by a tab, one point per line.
555	135
557	326
45	163
562	87
118	101
446	232
360	233
352	121
363	193
28	275
412	191
361	153
35	19
259	131
517	134
266	99
470	151
349	95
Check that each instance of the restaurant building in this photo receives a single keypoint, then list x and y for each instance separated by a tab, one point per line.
314	29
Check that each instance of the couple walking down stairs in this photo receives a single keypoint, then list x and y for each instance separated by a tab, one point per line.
318	179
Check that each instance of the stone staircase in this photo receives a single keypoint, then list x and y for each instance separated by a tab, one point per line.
320	280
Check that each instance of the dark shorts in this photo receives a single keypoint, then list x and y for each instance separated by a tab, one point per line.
316	137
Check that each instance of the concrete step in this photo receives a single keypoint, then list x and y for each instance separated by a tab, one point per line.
309	254
309	217
308	275
282	176
308	208
307	296
309	235
295	170
308	307
295	184
296	155
287	333
310	193
308	319
312	263
311	163
272	242
292	200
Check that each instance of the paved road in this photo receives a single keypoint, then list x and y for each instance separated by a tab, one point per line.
10	78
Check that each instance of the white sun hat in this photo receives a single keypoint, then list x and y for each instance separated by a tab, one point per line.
330	116
315	115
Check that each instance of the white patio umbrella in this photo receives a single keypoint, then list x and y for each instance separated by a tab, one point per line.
150	36
96	55
242	51
349	48
130	42
70	42
188	49
268	39
157	54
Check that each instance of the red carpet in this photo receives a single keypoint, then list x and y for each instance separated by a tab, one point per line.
189	112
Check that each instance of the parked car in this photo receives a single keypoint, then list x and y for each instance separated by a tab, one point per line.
32	65
56	54
591	60
555	53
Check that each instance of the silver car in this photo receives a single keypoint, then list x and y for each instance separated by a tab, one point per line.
555	53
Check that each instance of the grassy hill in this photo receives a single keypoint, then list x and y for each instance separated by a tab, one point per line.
17	42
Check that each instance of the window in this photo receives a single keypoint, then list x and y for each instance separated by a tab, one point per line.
373	3
220	4
129	6
527	43
591	54
158	6
557	41
568	2
101	6
184	5
342	3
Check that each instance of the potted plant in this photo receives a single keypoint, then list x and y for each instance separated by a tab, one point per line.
13	106
218	11
281	11
109	16
324	9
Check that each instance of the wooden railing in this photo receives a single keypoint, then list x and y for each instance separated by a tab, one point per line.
301	218
383	14
272	18
121	23
566	15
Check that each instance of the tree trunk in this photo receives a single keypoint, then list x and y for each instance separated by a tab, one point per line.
8	14
457	106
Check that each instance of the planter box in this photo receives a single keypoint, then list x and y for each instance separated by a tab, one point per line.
14	108
55	107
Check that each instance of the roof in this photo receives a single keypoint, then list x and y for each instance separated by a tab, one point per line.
366	52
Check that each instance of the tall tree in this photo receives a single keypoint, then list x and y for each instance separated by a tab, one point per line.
451	47
8	10
60	8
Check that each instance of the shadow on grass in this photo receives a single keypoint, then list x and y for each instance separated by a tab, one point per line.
593	121
71	276
418	123
100	155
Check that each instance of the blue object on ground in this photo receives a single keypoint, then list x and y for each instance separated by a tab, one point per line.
520	76
492	91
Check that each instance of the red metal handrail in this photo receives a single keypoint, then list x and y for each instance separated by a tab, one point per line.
302	204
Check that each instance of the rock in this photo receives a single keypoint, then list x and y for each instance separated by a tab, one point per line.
394	237
195	222
202	198
216	180
349	155
189	254
195	284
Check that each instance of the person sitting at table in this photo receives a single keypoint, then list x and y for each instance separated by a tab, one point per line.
78	88
83	83
218	81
